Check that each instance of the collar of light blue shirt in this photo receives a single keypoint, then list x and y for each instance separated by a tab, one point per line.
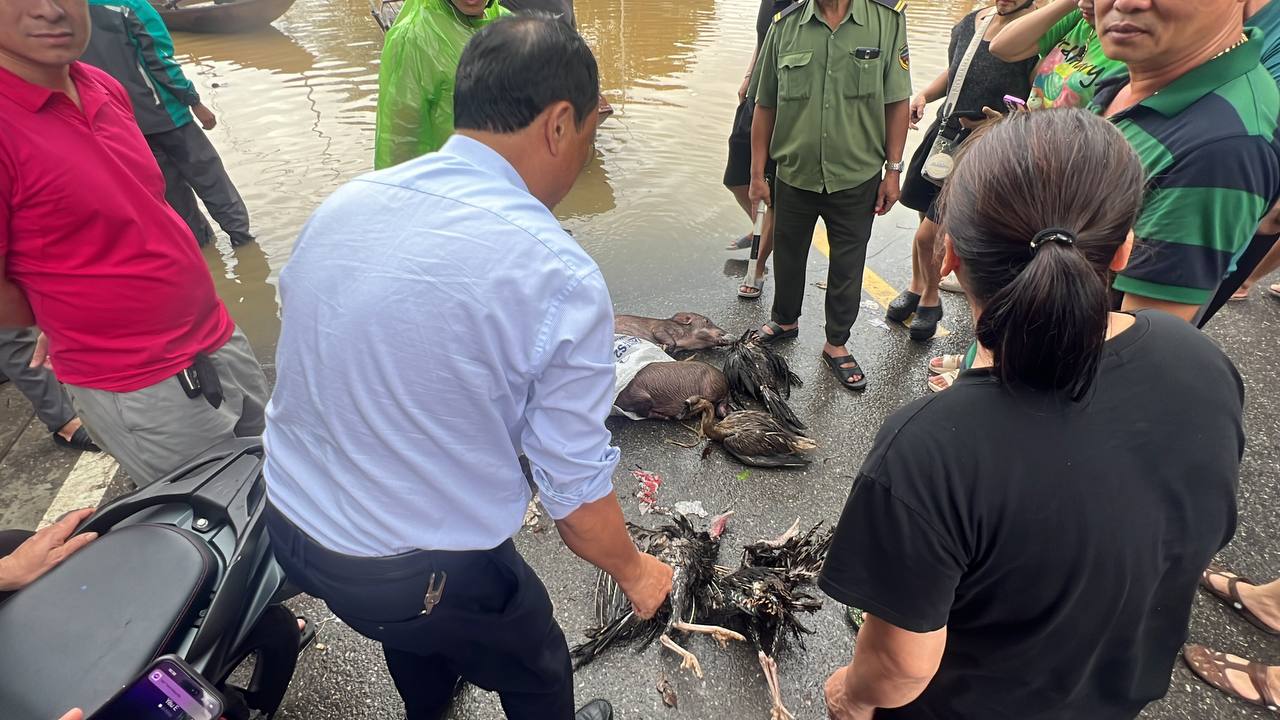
484	157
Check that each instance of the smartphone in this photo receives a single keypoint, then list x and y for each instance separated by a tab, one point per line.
168	690
867	53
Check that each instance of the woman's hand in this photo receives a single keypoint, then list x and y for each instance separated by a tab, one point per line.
918	104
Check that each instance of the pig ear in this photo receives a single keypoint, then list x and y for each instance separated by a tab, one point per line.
683	318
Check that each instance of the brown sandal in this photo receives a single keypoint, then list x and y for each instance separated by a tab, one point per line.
1212	667
1232	596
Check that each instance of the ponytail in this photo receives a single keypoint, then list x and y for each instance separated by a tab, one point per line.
1047	327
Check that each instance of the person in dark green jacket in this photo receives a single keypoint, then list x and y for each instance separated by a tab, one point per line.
131	43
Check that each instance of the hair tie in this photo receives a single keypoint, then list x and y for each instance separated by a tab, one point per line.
1058	235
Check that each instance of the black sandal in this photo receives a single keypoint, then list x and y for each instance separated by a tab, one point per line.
776	333
80	440
925	326
845	374
902	307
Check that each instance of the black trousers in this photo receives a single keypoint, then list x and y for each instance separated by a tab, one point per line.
492	627
849	215
9	541
1258	248
192	166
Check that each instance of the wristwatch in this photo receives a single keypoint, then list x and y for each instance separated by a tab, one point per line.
895	166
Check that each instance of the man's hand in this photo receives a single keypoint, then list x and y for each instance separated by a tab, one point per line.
890	191
43	551
206	117
742	91
838	705
759	190
918	104
649	587
41	356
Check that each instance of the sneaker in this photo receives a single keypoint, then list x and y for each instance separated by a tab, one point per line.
595	710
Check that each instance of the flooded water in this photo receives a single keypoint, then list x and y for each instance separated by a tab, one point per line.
296	102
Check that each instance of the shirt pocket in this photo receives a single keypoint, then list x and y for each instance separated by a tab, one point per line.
795	79
859	78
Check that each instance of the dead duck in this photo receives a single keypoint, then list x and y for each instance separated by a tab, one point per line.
757	372
755	438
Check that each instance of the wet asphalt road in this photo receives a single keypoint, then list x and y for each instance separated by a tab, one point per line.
343	677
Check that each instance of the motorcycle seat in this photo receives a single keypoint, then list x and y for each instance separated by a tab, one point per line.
90	626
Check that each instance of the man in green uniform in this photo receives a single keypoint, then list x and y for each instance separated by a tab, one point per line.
415	85
831	85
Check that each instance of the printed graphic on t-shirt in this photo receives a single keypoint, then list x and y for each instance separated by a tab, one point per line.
1065	78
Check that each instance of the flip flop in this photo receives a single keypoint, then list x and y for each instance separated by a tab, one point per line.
1212	667
1274	290
776	333
307	634
943	381
756	289
80	440
845	374
901	308
945	364
1239	296
741	243
1232	595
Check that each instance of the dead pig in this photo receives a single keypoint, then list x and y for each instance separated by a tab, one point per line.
649	383
681	332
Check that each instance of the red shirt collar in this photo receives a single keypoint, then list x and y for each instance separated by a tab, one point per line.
33	98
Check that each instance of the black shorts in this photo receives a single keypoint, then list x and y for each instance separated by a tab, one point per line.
918	193
737	171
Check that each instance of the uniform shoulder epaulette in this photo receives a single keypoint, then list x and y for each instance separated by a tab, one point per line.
788	10
897	6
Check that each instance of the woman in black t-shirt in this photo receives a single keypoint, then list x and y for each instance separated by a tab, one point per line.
1027	544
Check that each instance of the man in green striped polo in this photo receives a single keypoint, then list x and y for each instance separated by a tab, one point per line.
1201	111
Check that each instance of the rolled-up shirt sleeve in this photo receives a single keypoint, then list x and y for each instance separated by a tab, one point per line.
566	441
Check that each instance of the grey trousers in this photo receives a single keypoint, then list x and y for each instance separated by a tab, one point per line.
191	167
153	431
52	405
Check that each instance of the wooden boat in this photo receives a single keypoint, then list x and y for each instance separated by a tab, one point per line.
230	16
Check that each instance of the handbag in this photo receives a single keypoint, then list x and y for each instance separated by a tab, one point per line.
941	160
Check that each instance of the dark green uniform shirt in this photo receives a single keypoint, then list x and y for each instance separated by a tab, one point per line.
830	128
1208	142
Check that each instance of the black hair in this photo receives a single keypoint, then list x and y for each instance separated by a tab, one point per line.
517	67
1045	305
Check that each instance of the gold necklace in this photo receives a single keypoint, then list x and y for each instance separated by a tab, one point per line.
1244	38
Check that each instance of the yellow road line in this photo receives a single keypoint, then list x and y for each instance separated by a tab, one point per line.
872	284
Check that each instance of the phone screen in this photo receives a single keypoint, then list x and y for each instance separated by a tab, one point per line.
166	691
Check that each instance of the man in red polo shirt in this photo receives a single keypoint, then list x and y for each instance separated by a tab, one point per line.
91	253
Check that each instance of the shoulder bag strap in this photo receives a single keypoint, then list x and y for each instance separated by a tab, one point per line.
957	82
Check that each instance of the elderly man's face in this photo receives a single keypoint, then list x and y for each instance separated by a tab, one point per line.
1149	33
474	8
43	33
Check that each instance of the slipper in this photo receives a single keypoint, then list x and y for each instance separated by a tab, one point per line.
1239	296
950	284
902	307
751	290
307	634
1232	595
741	243
1212	667
1274	290
925	324
945	364
776	333
80	440
845	374
943	381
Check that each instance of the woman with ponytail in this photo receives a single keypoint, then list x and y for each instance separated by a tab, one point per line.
1027	544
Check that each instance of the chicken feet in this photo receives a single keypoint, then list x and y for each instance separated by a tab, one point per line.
770	667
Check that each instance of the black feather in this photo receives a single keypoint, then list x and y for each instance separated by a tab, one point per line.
757	373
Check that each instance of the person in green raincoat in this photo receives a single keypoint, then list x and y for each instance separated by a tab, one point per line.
415	84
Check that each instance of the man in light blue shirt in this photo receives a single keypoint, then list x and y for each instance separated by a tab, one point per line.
438	323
